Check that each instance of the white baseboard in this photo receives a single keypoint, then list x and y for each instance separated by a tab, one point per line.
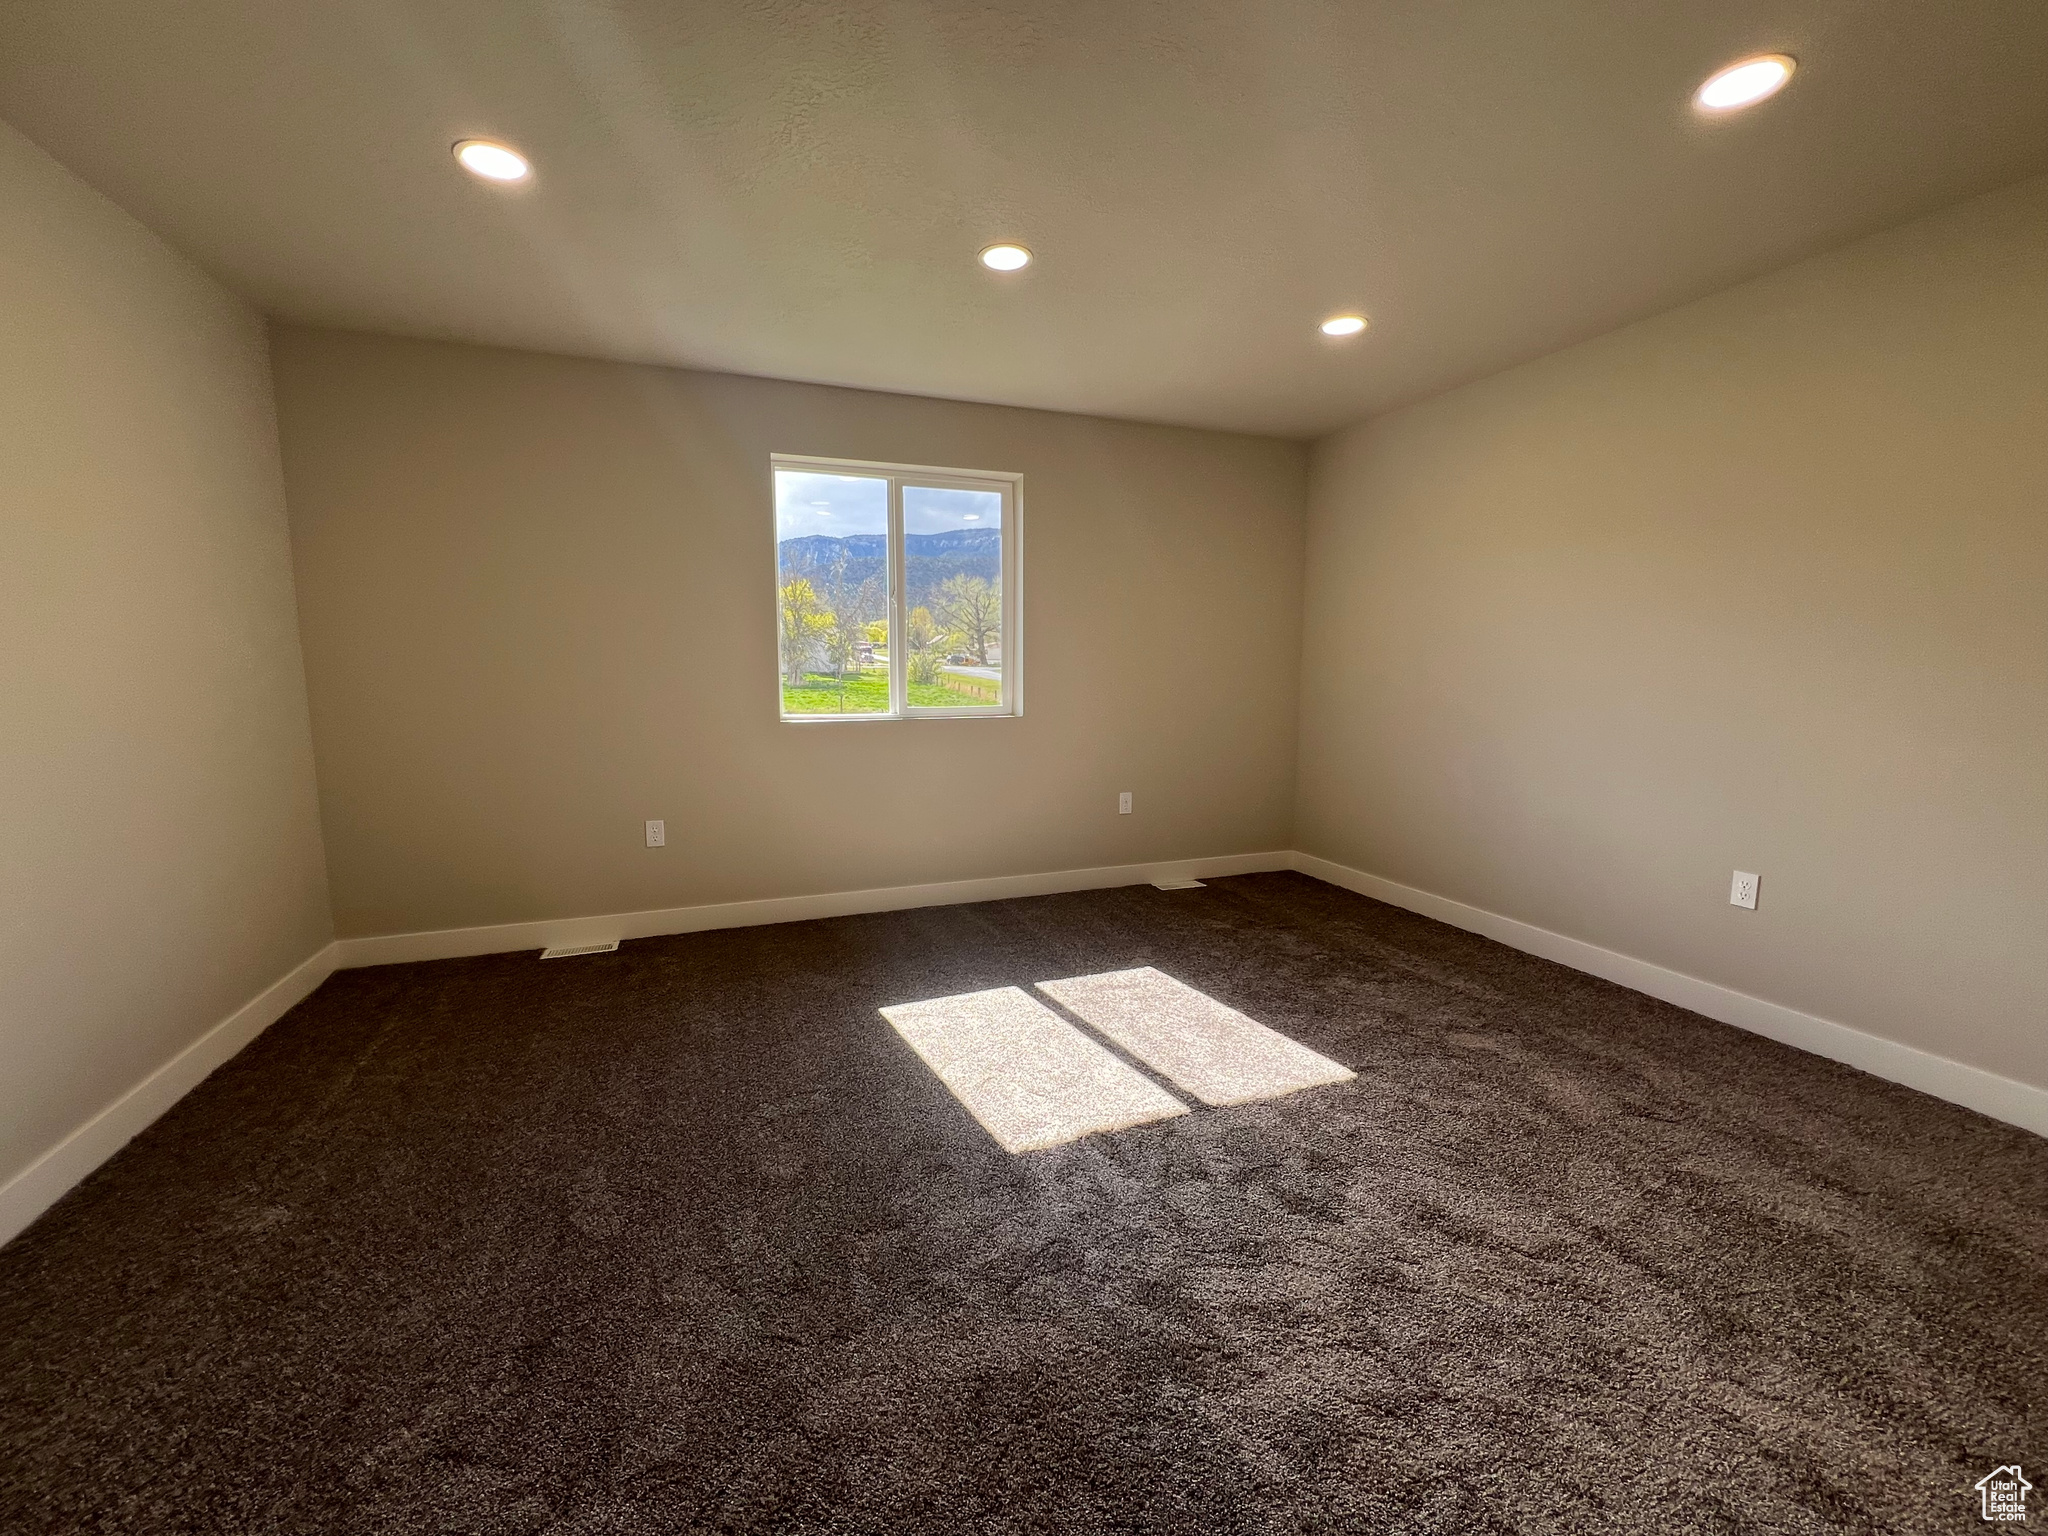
43	1182
500	938
2002	1098
37	1187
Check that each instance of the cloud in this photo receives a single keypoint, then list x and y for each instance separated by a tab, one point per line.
808	503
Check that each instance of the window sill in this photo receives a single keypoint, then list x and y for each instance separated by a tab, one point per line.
873	719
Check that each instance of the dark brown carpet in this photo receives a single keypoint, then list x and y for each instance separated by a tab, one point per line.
685	1239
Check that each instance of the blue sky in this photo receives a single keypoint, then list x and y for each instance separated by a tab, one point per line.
927	509
841	504
830	504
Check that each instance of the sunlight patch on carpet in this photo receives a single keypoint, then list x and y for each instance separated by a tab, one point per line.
1212	1051
1029	1077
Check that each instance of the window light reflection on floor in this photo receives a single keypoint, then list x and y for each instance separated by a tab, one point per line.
1034	1080
1029	1077
1214	1052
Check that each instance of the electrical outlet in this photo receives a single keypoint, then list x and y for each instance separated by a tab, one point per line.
1123	803
657	834
1742	892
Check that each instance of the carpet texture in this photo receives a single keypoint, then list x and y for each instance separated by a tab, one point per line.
1030	1078
1210	1051
687	1238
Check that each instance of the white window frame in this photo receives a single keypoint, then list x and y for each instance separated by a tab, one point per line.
1011	488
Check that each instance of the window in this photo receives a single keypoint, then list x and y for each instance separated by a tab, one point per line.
895	591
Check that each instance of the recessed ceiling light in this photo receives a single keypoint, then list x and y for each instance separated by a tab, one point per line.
1343	325
1005	258
1746	83
492	161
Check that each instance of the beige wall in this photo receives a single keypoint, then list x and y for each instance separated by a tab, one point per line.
160	857
537	602
1761	583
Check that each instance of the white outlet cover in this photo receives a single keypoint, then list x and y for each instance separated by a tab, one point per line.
657	834
1742	890
1123	803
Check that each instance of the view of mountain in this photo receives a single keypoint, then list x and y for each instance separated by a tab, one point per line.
930	558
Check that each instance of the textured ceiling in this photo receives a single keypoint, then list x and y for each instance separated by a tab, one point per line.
798	189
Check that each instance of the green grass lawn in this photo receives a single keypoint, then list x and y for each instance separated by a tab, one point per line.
867	693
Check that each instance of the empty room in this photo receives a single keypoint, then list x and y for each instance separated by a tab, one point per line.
898	768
